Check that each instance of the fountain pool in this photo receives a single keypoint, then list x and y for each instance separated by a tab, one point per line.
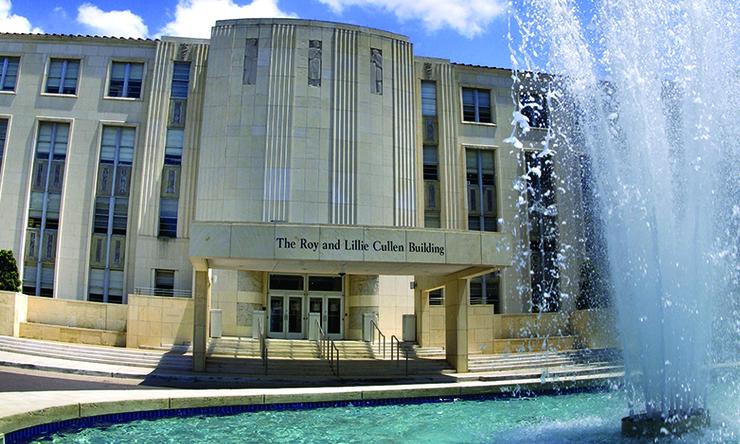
573	418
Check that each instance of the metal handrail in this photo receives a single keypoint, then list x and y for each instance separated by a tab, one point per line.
153	291
328	349
263	346
380	335
397	356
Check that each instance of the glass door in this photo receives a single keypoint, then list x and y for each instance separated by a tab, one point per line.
329	311
286	316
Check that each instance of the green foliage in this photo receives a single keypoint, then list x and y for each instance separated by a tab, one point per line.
9	278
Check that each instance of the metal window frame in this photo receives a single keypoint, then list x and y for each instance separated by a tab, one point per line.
44	205
62	76
4	72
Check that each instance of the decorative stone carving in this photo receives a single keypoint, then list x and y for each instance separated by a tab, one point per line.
376	72
314	63
183	52
428	71
250	62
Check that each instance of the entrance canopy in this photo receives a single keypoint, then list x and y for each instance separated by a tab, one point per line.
334	249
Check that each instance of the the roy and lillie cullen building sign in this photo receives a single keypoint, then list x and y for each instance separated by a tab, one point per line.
359	245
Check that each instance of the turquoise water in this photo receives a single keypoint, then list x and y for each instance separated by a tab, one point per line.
573	418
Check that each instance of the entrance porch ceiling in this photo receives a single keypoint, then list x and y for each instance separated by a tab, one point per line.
333	249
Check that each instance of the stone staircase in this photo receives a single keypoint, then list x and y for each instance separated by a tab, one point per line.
289	348
173	360
563	363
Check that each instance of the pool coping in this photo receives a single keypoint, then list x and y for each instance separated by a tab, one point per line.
40	413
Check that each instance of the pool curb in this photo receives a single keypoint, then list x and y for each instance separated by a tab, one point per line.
55	411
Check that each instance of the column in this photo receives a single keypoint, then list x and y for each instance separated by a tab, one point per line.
201	305
456	323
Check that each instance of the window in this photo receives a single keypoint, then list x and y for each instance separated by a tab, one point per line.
8	72
62	76
431	187
126	80
251	50
164	282
376	71
43	211
170	191
428	98
477	105
534	108
436	297
286	282
484	290
481	190
110	218
180	80
3	136
543	233
325	283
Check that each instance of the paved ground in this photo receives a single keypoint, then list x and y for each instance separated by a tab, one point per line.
22	380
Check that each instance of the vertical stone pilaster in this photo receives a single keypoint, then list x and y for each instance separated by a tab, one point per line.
456	323
201	305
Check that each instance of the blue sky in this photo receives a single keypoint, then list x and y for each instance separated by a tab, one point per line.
465	31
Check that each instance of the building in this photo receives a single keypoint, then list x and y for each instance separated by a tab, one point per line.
288	173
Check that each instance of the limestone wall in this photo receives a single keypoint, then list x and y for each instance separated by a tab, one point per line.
155	321
12	312
396	300
595	328
80	314
525	325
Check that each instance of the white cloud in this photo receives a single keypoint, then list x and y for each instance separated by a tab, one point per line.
467	17
111	23
14	23
194	18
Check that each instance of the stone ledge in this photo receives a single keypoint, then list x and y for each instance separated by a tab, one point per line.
49	407
75	335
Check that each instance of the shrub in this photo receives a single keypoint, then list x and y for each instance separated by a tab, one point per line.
9	278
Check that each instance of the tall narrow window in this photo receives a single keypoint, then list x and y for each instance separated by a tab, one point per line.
3	137
169	195
180	80
534	108
126	80
543	233
107	253
8	72
481	181
62	76
477	105
43	212
485	290
431	187
251	50
430	155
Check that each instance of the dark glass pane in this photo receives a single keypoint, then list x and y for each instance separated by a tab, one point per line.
286	282
334	316
324	283
295	315
276	314
436	297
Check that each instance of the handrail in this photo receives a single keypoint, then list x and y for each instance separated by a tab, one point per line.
327	349
397	356
380	335
263	346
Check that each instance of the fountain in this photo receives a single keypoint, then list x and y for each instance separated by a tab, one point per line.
646	92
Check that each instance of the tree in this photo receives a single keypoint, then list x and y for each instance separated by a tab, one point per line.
9	278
